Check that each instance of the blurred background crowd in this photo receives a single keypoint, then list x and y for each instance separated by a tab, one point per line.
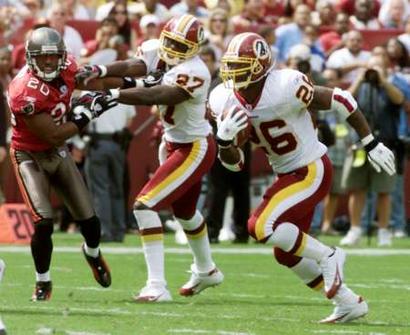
359	45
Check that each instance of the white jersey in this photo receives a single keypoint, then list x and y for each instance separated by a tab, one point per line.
184	122
281	124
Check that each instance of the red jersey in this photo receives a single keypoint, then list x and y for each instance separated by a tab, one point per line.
29	95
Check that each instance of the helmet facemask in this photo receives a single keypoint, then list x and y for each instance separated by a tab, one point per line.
47	76
174	49
45	41
239	72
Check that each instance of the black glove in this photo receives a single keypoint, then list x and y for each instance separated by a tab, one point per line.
89	72
152	79
90	106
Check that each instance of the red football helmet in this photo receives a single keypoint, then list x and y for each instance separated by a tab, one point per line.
247	60
180	39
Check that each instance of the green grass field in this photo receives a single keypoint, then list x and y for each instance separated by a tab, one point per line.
257	297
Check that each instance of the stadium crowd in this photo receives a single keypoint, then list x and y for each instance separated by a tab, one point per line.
325	39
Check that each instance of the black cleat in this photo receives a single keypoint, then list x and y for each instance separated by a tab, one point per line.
3	332
42	291
100	269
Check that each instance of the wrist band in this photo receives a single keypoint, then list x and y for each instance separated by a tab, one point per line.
103	70
224	144
369	142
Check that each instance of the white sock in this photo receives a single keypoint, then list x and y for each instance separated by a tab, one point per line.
2	326
309	272
43	276
289	238
196	232
152	238
92	252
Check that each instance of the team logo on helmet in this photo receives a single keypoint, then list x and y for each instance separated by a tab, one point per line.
260	48
201	35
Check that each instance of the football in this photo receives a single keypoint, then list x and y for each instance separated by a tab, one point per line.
243	136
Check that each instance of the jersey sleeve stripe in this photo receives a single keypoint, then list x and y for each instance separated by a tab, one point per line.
344	102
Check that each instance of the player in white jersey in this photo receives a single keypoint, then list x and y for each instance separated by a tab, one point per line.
276	104
188	149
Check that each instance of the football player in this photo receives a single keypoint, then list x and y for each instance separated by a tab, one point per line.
187	153
276	103
40	101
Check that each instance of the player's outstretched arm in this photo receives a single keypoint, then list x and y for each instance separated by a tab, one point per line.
156	95
343	102
127	68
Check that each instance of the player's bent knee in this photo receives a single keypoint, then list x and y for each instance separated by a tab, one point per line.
43	228
252	230
285	258
191	223
147	218
139	206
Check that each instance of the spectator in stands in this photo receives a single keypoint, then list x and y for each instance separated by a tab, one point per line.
311	39
218	33
189	7
394	13
153	7
106	31
300	58
250	17
351	58
405	37
380	102
273	10
149	28
333	40
348	7
232	7
337	154
119	12
291	34
324	14
398	56
363	17
57	19
399	60
75	10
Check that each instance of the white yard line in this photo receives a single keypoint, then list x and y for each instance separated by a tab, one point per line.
203	331
227	251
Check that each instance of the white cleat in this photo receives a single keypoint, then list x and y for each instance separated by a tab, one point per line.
332	271
201	281
352	237
384	238
347	312
153	293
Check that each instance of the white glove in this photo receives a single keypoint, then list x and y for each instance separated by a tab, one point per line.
234	121
382	158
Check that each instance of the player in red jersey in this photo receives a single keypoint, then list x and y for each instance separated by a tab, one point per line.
40	102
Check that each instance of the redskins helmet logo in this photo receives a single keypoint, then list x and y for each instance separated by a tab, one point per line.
260	48
201	35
